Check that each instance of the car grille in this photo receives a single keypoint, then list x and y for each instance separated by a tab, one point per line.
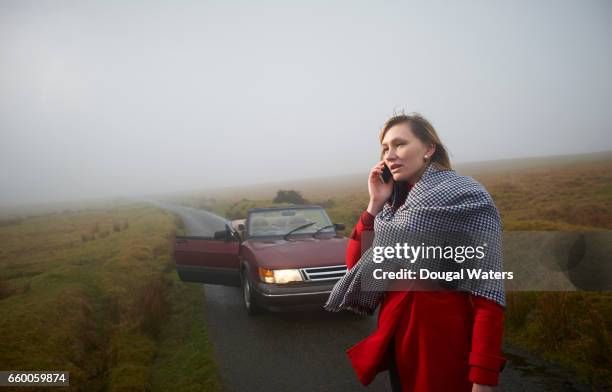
328	273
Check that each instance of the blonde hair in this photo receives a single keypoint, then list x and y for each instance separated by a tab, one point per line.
425	132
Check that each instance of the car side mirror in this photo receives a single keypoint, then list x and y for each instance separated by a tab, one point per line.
221	235
339	226
225	235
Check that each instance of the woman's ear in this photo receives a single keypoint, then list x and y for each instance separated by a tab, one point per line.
431	150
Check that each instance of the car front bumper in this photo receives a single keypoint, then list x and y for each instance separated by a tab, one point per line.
279	297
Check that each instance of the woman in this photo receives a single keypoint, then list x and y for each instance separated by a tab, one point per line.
427	340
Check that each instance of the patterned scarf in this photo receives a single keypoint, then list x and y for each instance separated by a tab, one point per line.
443	209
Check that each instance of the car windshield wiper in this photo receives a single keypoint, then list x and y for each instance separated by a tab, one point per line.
286	236
322	228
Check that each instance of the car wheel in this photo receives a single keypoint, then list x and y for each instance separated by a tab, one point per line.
248	297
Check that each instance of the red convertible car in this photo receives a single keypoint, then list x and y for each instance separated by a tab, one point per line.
282	257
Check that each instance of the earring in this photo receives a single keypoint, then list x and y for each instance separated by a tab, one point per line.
426	156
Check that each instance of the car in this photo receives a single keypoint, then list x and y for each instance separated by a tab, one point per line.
283	258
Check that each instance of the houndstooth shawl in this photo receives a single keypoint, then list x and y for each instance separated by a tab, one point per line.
443	206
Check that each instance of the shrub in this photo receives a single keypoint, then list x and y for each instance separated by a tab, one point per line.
289	196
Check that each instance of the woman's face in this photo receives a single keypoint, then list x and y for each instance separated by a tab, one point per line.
404	153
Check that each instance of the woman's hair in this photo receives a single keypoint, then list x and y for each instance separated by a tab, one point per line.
427	134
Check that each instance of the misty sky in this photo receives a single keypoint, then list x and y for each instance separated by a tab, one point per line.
118	98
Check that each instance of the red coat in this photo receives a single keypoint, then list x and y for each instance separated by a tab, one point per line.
444	340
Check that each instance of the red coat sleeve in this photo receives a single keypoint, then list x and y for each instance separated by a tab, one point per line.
486	360
353	250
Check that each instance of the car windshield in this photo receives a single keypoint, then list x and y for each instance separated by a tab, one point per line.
282	221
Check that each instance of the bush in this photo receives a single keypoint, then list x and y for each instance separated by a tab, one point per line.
289	196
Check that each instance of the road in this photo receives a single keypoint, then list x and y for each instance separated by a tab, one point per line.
306	351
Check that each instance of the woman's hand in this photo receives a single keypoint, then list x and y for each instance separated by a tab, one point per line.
379	191
482	388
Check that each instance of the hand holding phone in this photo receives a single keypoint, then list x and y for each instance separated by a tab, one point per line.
380	186
386	175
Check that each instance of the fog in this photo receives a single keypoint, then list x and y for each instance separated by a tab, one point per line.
101	99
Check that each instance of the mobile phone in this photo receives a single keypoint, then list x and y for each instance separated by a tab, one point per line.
386	174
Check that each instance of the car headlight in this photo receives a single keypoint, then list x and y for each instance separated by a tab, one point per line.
280	275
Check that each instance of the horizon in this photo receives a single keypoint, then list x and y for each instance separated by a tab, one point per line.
243	186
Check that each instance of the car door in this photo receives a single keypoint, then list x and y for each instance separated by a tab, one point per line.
211	260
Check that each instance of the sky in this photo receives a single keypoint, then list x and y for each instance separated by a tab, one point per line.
124	98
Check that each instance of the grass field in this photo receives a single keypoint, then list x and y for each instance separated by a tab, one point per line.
93	291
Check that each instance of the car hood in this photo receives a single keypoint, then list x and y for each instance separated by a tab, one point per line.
299	252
